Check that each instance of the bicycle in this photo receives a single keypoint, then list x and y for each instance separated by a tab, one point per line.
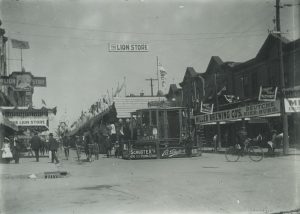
255	153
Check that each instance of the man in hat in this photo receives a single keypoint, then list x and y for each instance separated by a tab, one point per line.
36	143
53	146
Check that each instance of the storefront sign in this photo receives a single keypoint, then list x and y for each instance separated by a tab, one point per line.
267	93
292	104
206	108
257	110
115	47
31	121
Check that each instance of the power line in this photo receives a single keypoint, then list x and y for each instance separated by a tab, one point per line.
146	40
125	32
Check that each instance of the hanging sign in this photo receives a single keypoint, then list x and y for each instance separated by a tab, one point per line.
206	108
292	104
257	110
267	93
123	47
23	81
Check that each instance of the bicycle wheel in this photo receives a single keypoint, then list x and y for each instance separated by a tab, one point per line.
256	153
232	154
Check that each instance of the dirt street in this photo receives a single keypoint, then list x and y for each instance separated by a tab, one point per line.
206	184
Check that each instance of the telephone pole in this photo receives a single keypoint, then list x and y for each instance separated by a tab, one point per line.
151	84
282	83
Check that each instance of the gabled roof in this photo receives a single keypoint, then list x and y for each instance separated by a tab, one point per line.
269	43
190	72
214	60
263	52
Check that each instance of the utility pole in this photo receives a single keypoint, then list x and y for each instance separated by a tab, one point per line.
217	109
282	83
151	84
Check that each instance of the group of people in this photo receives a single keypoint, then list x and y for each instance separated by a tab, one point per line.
36	143
110	138
11	149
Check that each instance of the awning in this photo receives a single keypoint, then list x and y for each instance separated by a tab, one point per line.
5	122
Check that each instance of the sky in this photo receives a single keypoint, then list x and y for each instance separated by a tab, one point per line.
69	42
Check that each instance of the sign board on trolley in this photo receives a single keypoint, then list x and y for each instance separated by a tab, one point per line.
257	110
128	47
292	105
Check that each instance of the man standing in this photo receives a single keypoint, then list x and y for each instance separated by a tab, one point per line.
53	146
36	143
66	145
16	149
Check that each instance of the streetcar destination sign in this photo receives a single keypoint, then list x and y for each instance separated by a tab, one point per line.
123	47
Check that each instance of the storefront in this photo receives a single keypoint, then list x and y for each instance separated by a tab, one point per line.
28	120
258	118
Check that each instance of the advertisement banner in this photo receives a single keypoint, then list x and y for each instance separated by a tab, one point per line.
140	153
206	108
267	93
256	110
176	152
123	47
292	105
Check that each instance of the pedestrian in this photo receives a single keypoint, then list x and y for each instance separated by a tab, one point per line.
107	145
53	146
66	145
36	143
215	140
16	150
6	151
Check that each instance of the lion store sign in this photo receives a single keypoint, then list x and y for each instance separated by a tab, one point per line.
32	121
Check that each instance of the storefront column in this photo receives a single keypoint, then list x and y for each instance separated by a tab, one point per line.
158	135
2	131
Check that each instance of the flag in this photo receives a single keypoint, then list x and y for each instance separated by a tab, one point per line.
163	74
19	44
231	98
43	102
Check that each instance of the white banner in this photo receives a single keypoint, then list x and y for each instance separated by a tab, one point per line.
292	104
115	47
257	110
29	121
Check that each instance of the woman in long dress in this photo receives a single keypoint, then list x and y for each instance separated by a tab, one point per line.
6	151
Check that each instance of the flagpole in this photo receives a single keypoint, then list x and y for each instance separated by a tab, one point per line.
7	58
157	74
21	59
